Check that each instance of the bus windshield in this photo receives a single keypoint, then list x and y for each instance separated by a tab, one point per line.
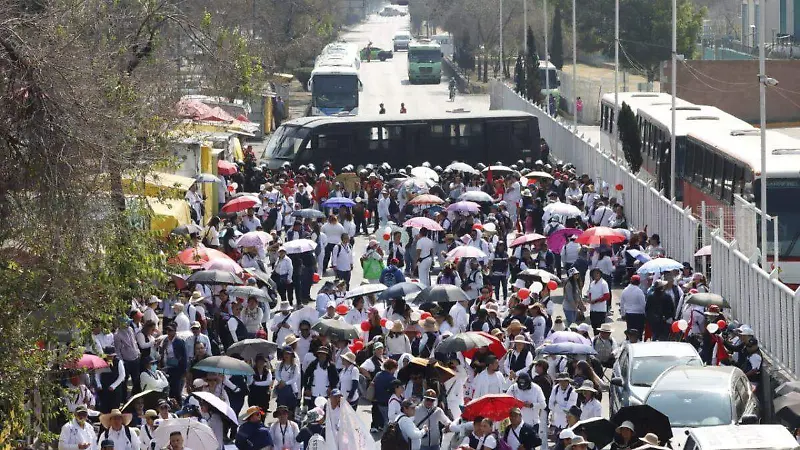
335	91
782	194
424	56
285	142
554	82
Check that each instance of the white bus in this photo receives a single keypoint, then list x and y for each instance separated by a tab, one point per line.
334	82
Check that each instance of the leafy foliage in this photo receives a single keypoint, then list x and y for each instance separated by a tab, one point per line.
557	42
630	137
533	87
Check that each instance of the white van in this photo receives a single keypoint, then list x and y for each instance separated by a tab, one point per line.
401	40
741	437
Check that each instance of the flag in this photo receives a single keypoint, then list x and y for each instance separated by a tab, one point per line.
489	175
351	433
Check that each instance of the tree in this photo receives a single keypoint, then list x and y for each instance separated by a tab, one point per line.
557	42
519	76
629	137
533	87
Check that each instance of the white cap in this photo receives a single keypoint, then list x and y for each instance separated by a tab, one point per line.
331	304
584	328
566	434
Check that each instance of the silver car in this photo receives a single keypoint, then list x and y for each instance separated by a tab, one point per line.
401	40
638	365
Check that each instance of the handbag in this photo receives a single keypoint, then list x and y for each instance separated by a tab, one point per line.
370	394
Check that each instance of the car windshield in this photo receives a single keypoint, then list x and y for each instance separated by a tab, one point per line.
285	142
692	408
335	91
424	56
645	370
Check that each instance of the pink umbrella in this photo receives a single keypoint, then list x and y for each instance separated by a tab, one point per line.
527	239
559	337
226	167
88	362
423	222
465	251
464	206
705	251
557	240
226	265
254	239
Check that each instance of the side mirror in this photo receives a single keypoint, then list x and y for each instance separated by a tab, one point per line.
617	381
360	86
748	419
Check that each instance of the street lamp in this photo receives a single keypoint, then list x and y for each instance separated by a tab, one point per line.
674	76
763	82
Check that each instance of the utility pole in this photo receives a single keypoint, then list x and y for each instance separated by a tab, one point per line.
525	26
673	77
502	66
546	62
613	124
762	96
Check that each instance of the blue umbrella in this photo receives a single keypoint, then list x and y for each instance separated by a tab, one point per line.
659	265
224	365
567	348
338	202
640	256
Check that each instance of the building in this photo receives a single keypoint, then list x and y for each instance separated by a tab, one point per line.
782	17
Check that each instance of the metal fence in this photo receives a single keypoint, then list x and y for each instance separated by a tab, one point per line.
768	305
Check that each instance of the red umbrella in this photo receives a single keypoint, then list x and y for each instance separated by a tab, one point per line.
196	257
496	347
527	239
241	203
426	199
495	407
88	362
226	167
600	235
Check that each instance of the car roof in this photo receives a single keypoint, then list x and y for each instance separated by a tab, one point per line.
690	378
744	437
661	348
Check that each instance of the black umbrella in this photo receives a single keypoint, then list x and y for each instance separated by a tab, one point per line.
645	419
336	329
150	398
540	275
787	407
214	277
308	213
400	290
186	230
250	348
597	429
463	341
707	299
441	293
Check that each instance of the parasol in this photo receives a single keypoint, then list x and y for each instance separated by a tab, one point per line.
336	329
495	407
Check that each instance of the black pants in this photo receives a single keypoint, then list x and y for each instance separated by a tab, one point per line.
377	416
635	321
373	210
557	260
361	224
286	291
134	370
597	318
499	281
327	259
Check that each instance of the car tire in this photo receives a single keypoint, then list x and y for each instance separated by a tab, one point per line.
382	58
395	48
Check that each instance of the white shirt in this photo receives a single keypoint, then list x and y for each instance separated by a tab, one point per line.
333	231
73	434
284	267
534	396
322	303
383	207
289	374
410	431
486	383
598	289
602	216
539	325
342	257
155	380
355	317
560	403
484	442
425	246
346	378
632	300
251	223
591	409
283	436
570	252
182	323
605	265
398	345
120	439
395	407
460	317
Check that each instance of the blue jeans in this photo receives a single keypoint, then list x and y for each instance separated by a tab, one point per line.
570	316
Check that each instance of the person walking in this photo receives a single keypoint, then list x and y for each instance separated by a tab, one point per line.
430	415
633	303
342	259
412	433
425	255
599	295
78	434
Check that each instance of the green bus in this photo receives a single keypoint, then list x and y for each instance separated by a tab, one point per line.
424	62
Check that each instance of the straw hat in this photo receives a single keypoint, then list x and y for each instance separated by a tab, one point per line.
249	412
562	376
515	325
520	339
587	386
651	438
349	357
105	419
605	328
290	339
397	326
196	297
579	440
429	325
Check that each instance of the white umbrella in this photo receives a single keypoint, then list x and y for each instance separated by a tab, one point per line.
425	172
461	167
705	251
299	246
465	251
639	256
218	404
659	265
366	289
196	435
538	174
476	196
562	209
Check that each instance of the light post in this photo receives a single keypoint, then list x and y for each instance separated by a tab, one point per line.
574	77
614	122
674	82
763	82
546	63
502	66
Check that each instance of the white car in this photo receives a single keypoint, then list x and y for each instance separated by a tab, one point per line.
401	40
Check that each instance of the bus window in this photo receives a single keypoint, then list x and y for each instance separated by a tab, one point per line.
378	138
708	170
738	180
727	182
611	121
519	136
688	159
438	130
719	173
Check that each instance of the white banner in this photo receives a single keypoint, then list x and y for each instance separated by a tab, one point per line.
351	433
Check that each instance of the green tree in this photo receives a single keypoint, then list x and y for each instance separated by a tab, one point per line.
557	42
629	137
519	76
533	88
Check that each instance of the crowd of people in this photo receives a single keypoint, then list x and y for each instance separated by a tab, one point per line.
391	362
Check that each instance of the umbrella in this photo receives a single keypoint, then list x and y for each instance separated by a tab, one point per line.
639	256
207	178
259	275
425	172
600	235
224	365
557	239
787	407
566	348
659	265
645	419
441	293
464	206
366	289
195	257
499	170
789	386
241	203
88	362
299	246
461	167
476	196
540	275
223	408
149	397
226	168
597	429
400	290
465	251
462	342
247	292
496	347
423	222
338	202
214	277
226	265
705	251
426	199
427	367
349	181
254	239
562	209
415	185
249	348
707	299
538	174
527	239
559	337
336	329
308	213
496	407
196	435
188	229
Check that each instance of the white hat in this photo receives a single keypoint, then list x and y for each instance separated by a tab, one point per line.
566	434
284	306
331	304
605	328
349	357
745	330
199	383
584	328
627	424
153	299
651	438
520	284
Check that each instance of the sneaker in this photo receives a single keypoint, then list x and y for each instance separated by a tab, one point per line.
373	430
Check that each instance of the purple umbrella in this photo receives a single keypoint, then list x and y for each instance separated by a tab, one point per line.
465	206
557	240
559	337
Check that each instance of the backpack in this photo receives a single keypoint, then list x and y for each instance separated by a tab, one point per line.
393	438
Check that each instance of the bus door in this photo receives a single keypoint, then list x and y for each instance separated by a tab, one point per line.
498	143
417	137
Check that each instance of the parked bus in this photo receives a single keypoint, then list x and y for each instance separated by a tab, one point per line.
548	71
424	62
403	139
334	82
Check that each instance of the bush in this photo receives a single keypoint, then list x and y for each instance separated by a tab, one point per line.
303	74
